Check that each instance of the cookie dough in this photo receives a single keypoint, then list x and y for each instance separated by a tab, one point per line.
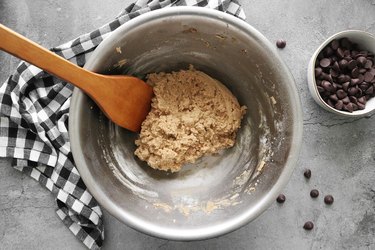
191	115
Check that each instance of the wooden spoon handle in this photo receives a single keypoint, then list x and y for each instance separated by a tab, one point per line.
23	48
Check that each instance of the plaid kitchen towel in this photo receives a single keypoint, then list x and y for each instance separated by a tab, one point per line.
34	115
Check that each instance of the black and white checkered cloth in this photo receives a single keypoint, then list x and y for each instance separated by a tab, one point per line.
34	110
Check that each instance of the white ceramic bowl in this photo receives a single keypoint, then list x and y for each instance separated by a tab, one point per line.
366	41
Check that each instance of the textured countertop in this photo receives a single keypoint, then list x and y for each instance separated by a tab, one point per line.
340	152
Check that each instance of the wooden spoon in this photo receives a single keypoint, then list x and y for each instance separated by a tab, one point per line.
123	99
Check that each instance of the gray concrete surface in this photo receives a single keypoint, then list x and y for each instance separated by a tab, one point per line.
340	152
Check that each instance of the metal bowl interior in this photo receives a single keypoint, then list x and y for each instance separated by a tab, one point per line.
218	193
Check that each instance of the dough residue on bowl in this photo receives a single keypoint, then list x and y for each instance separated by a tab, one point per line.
191	115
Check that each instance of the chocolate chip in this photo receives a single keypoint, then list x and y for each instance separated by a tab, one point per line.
307	173
281	43
354	81
364	86
333	73
314	193
349	107
328	199
325	62
353	99
281	198
355	106
352	91
328	51
370	90
362	100
368	64
345	100
361	106
339	105
343	64
334	97
330	103
308	225
341	94
343	78
327	77
368	77
361	78
340	53
335	44
352	64
355	72
336	85
318	71
336	67
361	60
345	86
327	86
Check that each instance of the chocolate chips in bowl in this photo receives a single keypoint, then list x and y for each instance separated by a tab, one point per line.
341	74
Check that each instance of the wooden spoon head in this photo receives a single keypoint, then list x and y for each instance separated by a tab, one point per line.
125	100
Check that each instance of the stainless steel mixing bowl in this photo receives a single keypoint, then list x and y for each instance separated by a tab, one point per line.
219	193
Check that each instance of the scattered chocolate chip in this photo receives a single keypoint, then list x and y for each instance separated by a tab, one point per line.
307	173
308	225
314	193
281	198
328	199
281	43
